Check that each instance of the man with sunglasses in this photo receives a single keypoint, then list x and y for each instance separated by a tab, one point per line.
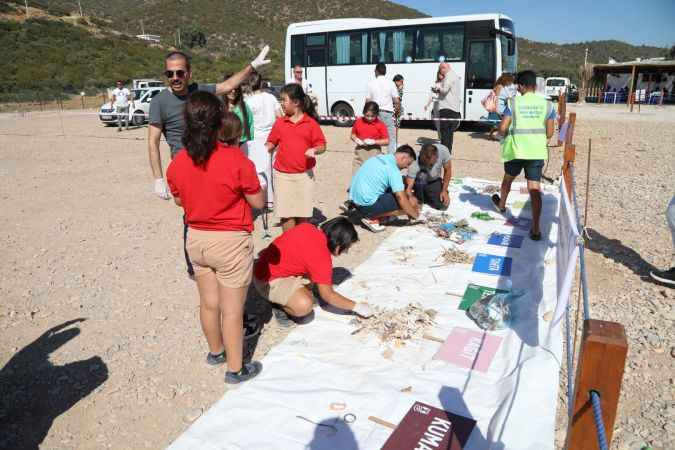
166	108
298	71
166	112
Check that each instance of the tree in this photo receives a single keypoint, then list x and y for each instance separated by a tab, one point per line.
671	52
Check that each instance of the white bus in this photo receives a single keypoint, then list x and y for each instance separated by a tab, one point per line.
339	57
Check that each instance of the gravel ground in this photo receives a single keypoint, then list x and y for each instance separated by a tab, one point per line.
101	344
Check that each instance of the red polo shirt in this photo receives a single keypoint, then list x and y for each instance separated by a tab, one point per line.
370	130
213	196
293	140
300	251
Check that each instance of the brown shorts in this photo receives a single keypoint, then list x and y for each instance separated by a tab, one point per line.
363	154
280	290
293	194
227	253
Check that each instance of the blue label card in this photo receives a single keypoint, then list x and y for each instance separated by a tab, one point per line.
492	264
506	240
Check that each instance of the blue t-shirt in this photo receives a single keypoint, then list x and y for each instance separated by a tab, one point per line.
375	177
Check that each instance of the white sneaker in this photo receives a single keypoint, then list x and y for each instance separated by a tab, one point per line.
372	224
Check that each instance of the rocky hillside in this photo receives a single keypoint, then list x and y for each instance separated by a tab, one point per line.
55	50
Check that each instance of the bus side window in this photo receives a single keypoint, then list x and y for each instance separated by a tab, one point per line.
297	50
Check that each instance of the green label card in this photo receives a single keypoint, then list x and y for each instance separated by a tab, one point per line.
474	292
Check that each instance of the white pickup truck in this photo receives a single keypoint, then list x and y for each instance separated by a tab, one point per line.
556	86
139	107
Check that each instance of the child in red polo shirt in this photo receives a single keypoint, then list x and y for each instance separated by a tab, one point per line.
217	185
299	139
370	134
305	251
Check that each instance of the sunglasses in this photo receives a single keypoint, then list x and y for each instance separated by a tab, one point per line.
176	73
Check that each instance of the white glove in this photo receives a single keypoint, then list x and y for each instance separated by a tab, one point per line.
358	141
363	309
260	60
161	189
369	141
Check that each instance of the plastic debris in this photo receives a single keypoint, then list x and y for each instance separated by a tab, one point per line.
493	312
396	325
482	216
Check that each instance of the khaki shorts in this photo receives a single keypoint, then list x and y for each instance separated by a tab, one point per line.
280	290
227	253
363	154
293	194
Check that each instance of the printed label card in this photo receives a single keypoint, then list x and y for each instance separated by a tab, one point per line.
475	292
427	427
506	240
492	264
470	349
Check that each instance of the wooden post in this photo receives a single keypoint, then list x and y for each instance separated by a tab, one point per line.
562	111
601	364
569	154
631	100
604	91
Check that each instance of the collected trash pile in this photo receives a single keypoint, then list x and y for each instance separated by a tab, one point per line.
396	325
454	256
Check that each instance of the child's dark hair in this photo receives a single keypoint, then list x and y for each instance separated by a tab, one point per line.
231	129
296	94
408	150
255	81
340	233
527	78
203	120
372	107
397	77
239	101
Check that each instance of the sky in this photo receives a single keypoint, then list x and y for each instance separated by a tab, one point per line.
649	22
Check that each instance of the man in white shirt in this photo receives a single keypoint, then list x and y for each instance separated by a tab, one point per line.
384	92
449	104
120	101
297	78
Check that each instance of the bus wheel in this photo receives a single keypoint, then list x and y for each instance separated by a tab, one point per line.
344	114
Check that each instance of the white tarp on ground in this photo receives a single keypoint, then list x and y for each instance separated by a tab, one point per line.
513	400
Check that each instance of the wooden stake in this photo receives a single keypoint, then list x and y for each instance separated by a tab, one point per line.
429	337
384	423
601	365
631	100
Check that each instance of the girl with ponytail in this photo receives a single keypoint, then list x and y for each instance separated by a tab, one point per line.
299	139
217	186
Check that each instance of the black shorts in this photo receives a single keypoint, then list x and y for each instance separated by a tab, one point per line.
533	168
385	203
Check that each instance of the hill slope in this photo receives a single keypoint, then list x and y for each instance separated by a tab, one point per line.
61	52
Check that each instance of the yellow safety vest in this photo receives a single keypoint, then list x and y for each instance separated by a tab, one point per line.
527	132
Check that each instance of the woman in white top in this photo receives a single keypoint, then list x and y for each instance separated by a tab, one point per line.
266	110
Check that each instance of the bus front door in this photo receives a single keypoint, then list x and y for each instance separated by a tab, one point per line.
315	70
480	77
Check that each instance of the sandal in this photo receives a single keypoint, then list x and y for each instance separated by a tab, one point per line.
535	236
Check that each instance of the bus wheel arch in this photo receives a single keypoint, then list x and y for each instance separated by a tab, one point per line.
342	110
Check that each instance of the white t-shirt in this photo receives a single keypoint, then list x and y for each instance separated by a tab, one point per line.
264	107
382	91
121	97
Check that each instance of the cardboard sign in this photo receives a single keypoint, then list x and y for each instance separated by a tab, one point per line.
474	292
492	264
427	428
469	349
506	240
523	224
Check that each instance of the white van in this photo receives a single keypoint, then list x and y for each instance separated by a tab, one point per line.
556	86
138	114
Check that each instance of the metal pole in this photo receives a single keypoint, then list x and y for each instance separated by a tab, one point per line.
26	2
79	4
